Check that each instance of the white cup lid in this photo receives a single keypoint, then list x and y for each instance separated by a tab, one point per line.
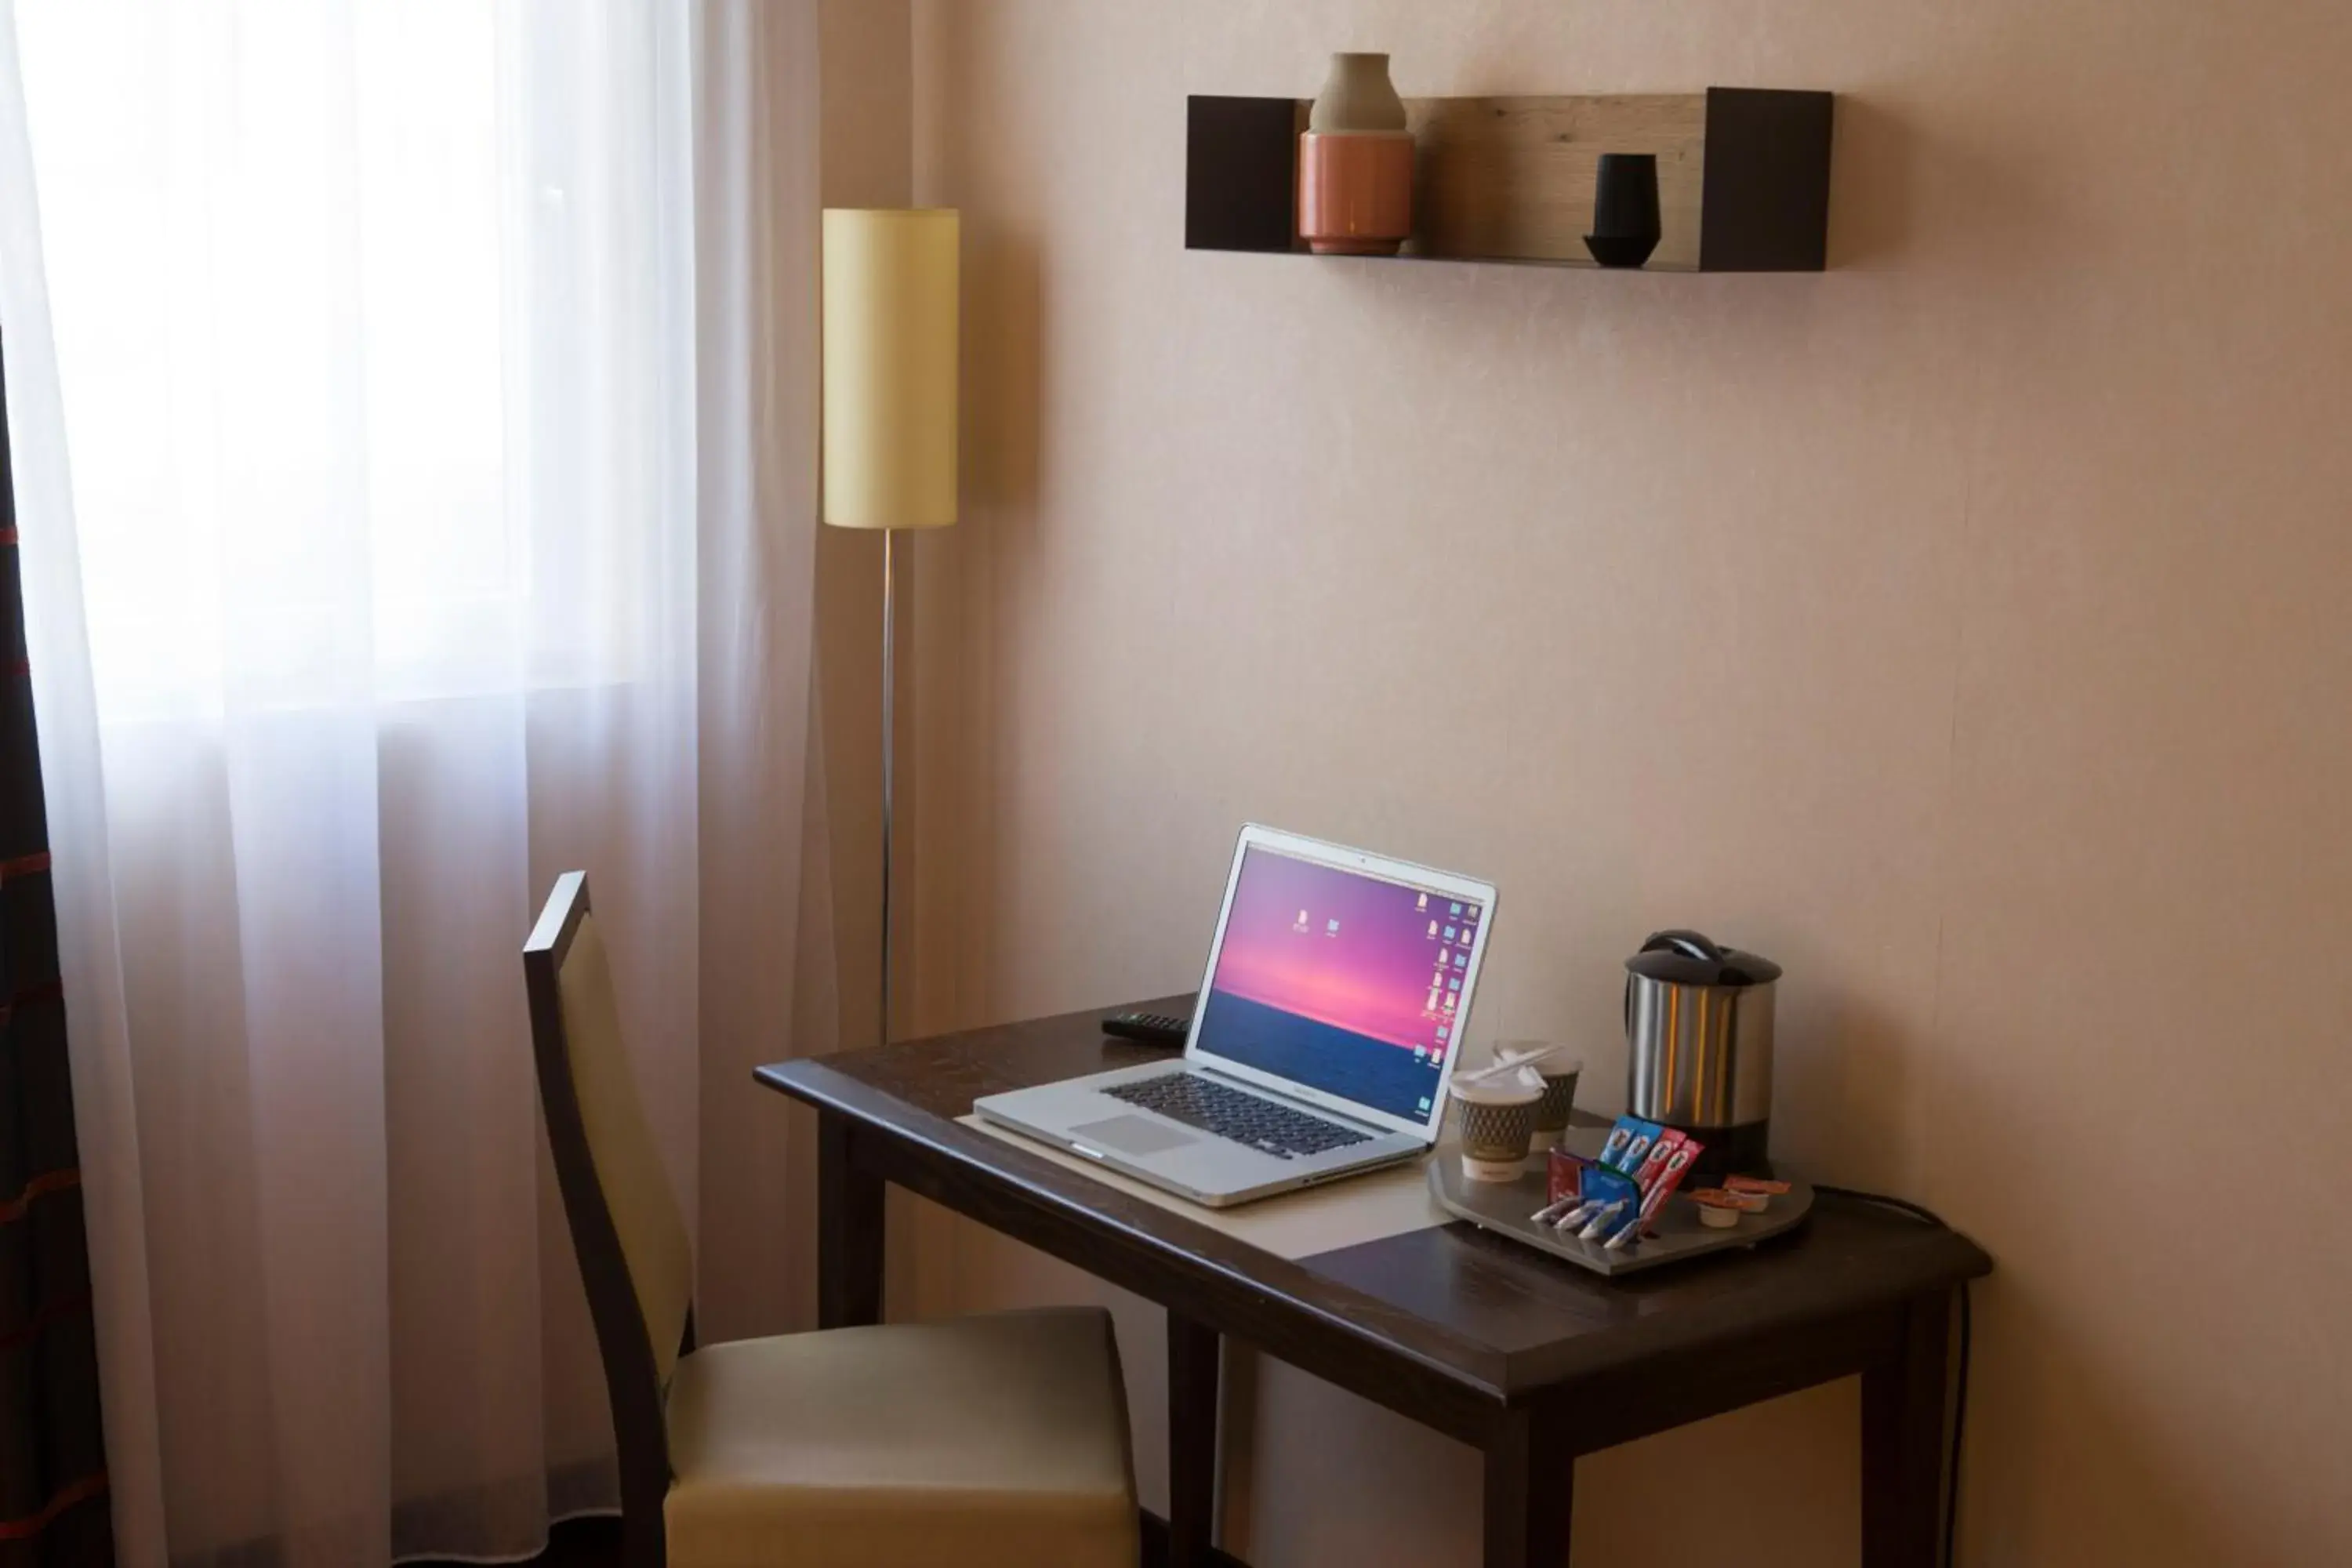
1550	1056
1511	1083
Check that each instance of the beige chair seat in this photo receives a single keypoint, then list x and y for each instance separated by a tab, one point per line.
978	1441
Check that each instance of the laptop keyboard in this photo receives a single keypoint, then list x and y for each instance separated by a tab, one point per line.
1205	1103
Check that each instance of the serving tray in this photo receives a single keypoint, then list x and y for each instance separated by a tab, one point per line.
1503	1207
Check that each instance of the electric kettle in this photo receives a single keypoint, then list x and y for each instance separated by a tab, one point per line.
1698	1033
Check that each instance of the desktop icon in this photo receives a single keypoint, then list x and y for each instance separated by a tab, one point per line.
1433	928
1424	903
1332	929
1449	1000
1455	910
1449	933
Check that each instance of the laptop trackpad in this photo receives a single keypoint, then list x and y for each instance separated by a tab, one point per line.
1132	1135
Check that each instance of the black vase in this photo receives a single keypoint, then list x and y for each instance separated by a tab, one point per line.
1625	210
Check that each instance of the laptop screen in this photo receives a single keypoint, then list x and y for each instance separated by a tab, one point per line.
1341	981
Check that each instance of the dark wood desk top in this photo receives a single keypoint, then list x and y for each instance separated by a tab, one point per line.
1492	1321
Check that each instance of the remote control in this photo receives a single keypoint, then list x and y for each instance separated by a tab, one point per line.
1147	1028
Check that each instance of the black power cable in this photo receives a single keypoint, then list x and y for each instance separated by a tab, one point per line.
1961	1399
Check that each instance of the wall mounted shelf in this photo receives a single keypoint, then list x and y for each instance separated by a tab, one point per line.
1743	176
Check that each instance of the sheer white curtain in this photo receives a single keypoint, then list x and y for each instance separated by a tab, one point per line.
411	400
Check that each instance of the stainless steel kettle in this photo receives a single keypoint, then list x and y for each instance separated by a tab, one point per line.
1698	1033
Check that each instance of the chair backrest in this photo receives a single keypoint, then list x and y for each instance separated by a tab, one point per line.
627	1229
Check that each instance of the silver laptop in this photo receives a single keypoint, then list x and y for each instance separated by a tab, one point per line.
1322	1041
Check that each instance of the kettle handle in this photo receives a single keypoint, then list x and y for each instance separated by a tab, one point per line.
1689	943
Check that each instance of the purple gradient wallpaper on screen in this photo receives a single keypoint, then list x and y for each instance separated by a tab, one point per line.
1375	974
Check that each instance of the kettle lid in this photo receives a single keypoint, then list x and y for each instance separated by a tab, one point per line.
1689	958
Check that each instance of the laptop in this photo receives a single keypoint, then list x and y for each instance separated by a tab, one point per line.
1321	1043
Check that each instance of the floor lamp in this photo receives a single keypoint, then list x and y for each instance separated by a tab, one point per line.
890	286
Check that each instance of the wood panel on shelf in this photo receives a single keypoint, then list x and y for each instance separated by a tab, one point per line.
1512	179
1743	175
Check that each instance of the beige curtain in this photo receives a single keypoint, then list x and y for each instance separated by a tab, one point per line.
414	416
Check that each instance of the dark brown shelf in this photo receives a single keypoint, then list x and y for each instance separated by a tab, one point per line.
1743	176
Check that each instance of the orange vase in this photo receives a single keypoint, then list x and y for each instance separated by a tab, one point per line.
1355	191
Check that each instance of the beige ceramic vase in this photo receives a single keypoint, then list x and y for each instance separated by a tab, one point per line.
1355	163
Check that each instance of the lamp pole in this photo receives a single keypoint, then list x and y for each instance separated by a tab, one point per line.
889	747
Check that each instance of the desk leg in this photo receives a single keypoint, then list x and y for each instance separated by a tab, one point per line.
1903	1442
1192	1441
1530	1491
848	1232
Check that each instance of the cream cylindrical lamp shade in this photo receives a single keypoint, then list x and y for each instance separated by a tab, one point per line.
890	284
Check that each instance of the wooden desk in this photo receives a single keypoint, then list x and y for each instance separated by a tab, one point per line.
1526	1358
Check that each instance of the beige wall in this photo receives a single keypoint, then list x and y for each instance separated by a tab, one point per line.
1962	627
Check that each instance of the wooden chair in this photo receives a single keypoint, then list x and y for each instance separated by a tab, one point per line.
987	1440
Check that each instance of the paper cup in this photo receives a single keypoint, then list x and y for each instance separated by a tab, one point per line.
1559	1072
1497	1116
